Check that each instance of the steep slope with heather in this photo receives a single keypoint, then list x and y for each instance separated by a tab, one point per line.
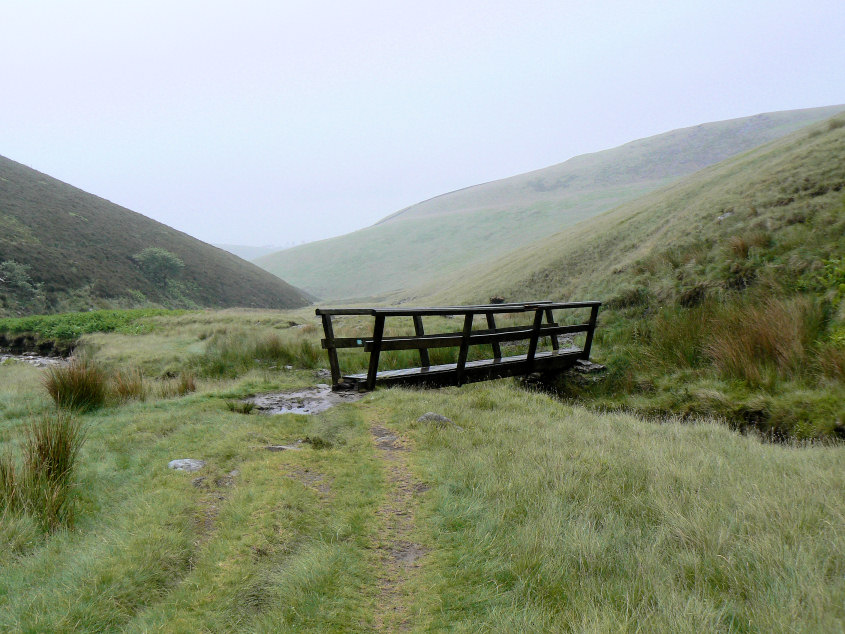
63	248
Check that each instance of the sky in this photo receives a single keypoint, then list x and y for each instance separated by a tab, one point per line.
277	123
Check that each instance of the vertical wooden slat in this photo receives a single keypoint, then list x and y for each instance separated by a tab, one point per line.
378	333
491	324
594	313
550	319
462	355
418	329
332	351
535	336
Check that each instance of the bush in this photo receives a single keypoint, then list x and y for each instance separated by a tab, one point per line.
81	385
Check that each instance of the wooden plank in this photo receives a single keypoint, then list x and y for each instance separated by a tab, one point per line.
594	313
535	336
418	329
462	353
333	364
344	311
478	337
550	318
491	324
378	333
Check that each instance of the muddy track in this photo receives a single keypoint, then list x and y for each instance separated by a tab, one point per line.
399	554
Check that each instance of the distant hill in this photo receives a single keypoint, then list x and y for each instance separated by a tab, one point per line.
64	249
771	217
248	252
445	234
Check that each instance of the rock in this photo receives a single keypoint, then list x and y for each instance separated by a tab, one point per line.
588	367
322	373
288	367
186	464
438	420
282	448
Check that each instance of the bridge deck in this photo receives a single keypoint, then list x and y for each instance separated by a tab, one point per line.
481	370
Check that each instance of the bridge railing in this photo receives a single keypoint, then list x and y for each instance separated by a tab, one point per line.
492	335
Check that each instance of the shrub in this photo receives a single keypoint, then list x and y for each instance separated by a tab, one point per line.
81	385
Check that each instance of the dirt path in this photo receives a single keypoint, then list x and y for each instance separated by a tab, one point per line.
399	555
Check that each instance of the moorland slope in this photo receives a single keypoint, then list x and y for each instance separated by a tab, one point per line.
475	224
723	293
74	250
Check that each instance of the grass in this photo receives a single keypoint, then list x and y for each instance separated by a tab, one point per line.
81	385
722	293
477	225
535	515
41	486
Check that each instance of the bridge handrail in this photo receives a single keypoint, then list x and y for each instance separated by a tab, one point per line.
467	337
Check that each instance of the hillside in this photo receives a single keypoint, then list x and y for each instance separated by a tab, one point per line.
783	200
724	293
81	251
475	224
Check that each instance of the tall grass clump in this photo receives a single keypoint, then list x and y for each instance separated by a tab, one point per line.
234	353
127	385
756	342
42	485
82	385
180	385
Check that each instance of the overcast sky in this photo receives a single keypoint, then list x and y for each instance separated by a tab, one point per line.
271	122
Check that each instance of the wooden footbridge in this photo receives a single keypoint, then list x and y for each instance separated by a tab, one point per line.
463	371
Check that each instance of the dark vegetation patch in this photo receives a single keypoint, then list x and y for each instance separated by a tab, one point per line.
69	250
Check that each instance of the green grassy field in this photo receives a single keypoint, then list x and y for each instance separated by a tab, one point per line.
477	224
527	515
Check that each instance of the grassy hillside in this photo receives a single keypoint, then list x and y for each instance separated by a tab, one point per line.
723	293
73	250
529	515
247	252
478	223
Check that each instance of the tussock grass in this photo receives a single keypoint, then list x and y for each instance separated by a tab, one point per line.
81	385
231	354
41	485
128	384
751	341
180	385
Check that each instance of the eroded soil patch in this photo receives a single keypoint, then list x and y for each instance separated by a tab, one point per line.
311	400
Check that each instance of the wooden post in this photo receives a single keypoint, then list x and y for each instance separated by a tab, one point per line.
462	355
418	329
491	324
332	351
535	336
550	319
378	333
594	313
